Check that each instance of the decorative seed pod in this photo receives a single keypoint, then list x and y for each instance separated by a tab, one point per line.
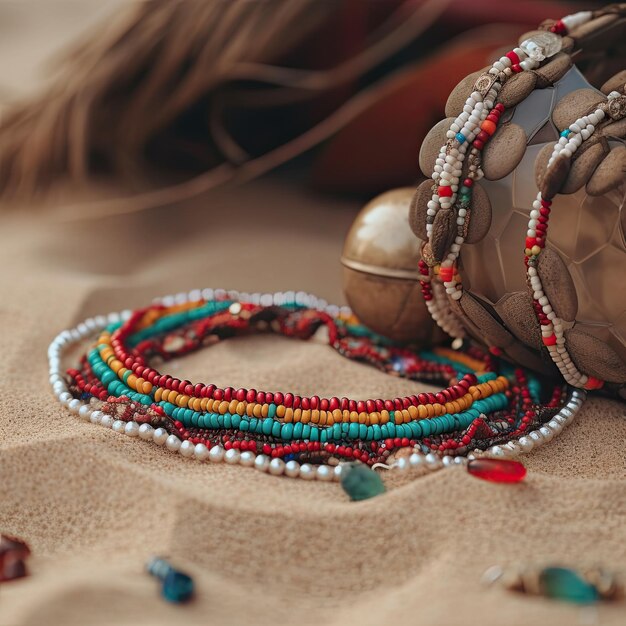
609	174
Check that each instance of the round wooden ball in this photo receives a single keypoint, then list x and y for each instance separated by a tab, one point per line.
380	258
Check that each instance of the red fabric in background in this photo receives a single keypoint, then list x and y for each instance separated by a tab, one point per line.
379	148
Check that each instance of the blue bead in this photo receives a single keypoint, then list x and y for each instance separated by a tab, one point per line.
397	363
275	428
460	138
108	377
416	429
565	133
177	587
566	584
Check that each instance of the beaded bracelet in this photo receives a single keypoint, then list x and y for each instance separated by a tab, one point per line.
488	407
448	211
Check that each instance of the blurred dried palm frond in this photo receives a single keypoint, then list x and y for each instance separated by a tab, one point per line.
122	93
177	97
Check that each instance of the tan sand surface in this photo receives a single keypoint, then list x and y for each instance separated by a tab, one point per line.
95	505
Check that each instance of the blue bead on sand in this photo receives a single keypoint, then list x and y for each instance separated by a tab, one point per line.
360	482
563	583
176	586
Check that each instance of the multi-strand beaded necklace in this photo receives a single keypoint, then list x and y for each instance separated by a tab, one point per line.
487	408
449	209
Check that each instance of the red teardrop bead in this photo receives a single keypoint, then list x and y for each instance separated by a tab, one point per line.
496	470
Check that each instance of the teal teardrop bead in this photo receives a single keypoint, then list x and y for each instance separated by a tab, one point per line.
565	584
360	482
177	587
